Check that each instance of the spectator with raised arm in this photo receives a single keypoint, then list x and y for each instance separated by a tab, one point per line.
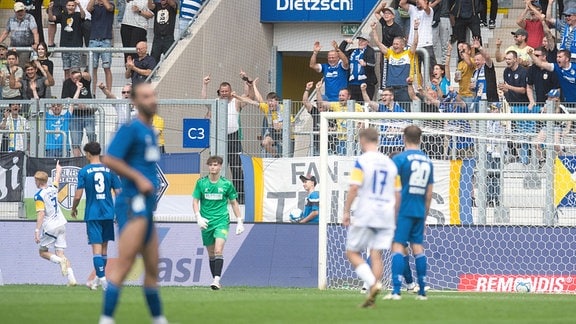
139	68
549	42
70	34
10	70
531	20
272	122
566	28
31	85
314	111
564	69
424	14
101	37
234	108
539	81
514	88
483	83
464	71
440	79
520	47
390	29
339	146
335	72
400	63
390	130
125	111
164	25
362	62
23	32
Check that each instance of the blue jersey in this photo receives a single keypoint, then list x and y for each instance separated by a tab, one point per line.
335	78
567	79
312	204
135	143
416	173
98	181
61	123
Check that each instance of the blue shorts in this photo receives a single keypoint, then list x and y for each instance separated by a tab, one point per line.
409	229
129	208
100	231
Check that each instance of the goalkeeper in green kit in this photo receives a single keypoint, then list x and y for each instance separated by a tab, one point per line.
211	197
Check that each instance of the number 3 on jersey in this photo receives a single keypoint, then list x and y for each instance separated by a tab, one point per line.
99	184
419	177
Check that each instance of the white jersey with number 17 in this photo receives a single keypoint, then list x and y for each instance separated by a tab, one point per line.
375	173
47	200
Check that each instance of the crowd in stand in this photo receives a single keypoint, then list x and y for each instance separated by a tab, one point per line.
538	68
28	74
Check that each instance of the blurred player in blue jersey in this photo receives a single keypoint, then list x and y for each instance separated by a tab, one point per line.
133	155
99	183
417	177
373	184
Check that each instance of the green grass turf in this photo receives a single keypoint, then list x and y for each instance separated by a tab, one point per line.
57	304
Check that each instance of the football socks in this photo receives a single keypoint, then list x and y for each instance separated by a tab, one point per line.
218	264
153	300
98	265
420	261
397	270
407	271
365	273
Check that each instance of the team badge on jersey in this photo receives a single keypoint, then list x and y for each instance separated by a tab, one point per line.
67	186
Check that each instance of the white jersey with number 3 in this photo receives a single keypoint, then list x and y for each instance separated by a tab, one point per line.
47	200
375	173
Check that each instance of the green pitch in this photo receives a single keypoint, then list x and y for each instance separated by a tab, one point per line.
56	304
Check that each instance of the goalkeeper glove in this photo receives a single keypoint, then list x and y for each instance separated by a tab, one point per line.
239	227
202	222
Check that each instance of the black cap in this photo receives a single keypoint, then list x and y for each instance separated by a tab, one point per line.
309	177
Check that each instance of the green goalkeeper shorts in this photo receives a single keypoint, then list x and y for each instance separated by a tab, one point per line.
215	231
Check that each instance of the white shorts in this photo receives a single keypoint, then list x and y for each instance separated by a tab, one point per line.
56	237
362	238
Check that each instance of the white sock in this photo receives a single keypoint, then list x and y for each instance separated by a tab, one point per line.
106	320
159	320
54	258
365	286
217	278
71	275
365	273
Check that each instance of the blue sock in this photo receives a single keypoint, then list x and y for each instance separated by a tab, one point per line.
98	265
105	258
397	269
407	270
111	299
153	299
420	261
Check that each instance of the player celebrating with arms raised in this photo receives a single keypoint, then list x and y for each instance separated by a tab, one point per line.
133	154
373	181
211	197
98	182
417	177
50	223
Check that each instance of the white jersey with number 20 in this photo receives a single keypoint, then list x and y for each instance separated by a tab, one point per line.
375	173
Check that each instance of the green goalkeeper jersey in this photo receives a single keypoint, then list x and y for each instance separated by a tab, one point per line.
214	197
